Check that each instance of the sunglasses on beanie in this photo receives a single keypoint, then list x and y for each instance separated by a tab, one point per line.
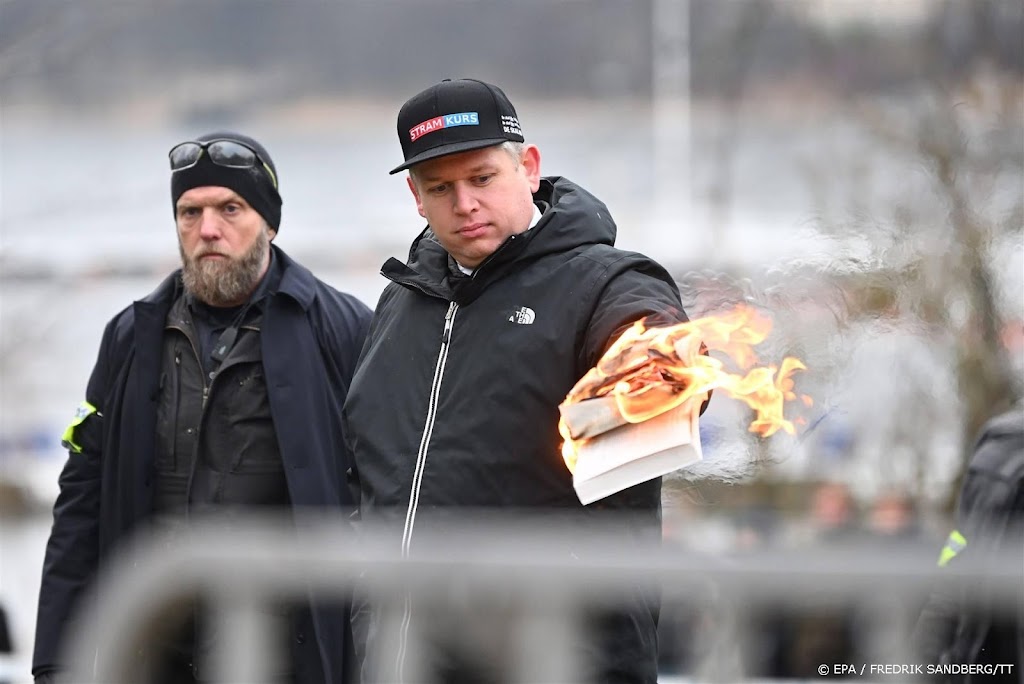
227	153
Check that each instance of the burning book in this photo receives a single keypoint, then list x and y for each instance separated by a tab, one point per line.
633	417
625	455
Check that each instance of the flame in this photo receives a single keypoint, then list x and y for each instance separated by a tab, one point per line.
652	370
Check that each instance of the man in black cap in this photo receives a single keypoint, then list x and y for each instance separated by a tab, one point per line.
510	295
218	392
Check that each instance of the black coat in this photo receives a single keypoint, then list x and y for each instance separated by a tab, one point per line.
311	336
964	626
455	400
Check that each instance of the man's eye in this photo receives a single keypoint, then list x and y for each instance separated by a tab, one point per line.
188	212
483	180
437	189
232	208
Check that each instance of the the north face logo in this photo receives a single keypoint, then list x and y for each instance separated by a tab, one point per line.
523	316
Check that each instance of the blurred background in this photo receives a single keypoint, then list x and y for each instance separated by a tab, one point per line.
854	168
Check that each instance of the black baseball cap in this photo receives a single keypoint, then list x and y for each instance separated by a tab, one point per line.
455	116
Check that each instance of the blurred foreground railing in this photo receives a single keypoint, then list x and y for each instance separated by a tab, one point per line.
537	581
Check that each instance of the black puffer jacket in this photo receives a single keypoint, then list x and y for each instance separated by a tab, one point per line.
455	399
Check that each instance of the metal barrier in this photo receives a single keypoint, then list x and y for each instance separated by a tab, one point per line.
523	570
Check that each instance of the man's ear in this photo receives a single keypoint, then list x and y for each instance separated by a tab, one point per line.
272	232
531	166
416	194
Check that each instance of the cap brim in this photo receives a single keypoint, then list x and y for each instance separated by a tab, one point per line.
444	150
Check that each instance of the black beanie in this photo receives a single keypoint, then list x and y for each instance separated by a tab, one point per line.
253	185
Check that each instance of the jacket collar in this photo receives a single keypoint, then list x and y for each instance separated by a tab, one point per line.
296	280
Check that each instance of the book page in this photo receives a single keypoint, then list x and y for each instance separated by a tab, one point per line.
635	453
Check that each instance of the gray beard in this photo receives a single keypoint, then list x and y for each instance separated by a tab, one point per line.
228	282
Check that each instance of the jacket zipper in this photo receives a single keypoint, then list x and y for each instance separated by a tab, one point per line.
428	428
417	477
177	405
202	414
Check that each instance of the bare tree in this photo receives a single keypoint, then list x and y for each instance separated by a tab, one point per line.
958	135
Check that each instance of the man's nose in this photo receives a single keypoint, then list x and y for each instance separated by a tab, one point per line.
210	224
464	198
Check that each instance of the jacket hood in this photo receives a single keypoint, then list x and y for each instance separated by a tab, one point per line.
572	218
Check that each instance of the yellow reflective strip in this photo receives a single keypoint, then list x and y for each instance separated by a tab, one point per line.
85	409
270	172
954	545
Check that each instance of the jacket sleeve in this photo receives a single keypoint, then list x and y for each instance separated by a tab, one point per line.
632	288
342	332
72	551
629	289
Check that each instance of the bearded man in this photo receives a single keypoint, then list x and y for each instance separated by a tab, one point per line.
219	392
